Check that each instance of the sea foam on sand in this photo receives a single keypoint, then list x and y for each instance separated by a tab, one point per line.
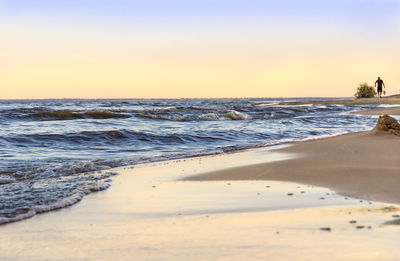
75	197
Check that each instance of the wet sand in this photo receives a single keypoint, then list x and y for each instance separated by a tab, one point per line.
152	213
380	111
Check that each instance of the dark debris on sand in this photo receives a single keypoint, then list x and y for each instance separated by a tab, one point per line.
389	124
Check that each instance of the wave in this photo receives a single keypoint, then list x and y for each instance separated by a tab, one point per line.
6	179
155	116
246	113
235	115
207	108
173	113
108	138
76	196
48	139
210	116
70	115
45	114
230	115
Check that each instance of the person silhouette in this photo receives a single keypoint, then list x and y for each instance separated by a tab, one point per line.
380	83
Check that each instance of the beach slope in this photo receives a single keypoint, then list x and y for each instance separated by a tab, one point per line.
364	165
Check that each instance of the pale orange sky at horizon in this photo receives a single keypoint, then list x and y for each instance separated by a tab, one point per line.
77	58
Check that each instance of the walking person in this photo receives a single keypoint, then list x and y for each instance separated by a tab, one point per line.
380	83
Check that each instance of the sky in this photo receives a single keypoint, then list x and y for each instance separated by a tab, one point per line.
196	48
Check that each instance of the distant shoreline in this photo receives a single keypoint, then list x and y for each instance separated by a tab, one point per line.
394	99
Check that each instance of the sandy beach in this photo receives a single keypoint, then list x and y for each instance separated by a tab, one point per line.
150	213
363	165
380	111
339	195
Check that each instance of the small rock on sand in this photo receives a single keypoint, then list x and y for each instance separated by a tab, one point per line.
326	229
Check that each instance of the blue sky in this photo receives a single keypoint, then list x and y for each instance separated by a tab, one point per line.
355	9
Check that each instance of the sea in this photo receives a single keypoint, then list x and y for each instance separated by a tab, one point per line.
54	152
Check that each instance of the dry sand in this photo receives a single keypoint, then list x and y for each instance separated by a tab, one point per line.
364	165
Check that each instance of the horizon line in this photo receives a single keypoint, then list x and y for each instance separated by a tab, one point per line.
181	98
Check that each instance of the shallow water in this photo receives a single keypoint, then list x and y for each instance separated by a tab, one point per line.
51	150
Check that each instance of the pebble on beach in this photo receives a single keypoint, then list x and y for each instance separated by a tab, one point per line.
326	229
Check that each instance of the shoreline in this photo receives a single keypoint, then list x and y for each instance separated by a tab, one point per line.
394	99
361	165
379	111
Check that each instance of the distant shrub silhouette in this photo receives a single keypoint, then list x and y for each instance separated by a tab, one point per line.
365	91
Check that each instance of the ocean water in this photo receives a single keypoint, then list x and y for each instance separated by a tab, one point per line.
54	152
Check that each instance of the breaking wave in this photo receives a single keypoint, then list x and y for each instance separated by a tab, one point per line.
74	197
42	114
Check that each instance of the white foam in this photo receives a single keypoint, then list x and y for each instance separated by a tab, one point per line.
6	179
74	198
19	217
208	108
388	105
269	116
209	116
235	115
175	117
68	168
266	104
161	109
